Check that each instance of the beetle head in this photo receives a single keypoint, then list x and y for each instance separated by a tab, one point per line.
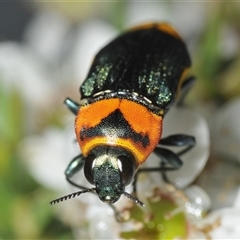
110	169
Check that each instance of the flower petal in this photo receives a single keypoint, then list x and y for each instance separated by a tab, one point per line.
47	156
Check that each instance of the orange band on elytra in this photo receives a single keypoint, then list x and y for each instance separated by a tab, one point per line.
141	120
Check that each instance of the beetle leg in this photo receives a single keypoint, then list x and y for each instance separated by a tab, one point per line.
73	106
186	86
168	157
73	167
117	215
163	172
179	140
163	169
171	157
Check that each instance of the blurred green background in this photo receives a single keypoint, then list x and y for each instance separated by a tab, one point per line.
24	209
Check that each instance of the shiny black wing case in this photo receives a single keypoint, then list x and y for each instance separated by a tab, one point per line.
147	61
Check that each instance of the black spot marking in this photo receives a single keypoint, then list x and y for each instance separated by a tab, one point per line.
114	125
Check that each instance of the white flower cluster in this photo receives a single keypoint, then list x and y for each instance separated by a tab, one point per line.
52	56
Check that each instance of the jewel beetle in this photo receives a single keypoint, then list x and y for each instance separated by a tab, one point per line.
132	83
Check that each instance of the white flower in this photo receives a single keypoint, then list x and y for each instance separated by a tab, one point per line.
188	121
48	155
22	70
223	223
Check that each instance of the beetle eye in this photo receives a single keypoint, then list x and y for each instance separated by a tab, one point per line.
127	169
88	167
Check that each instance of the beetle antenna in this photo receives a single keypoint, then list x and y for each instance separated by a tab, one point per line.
131	197
72	195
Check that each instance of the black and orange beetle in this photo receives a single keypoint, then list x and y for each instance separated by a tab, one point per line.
130	86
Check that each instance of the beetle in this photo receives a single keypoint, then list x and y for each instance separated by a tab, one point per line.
132	83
